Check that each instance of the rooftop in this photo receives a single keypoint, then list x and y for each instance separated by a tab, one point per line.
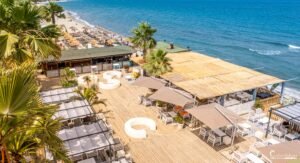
93	53
208	77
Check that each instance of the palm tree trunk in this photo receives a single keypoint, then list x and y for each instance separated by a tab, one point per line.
53	18
6	154
2	155
144	54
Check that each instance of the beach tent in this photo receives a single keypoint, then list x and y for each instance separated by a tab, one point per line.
281	153
149	82
290	113
214	115
172	96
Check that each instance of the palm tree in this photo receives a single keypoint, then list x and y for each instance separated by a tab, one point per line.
26	123
143	37
21	36
157	63
87	79
69	78
53	10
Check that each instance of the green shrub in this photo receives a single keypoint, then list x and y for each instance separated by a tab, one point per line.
179	119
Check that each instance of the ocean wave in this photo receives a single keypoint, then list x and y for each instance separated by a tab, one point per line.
266	52
293	47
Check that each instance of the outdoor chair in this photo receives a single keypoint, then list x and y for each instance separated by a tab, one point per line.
203	132
256	116
238	157
140	99
71	124
279	131
77	121
213	139
147	102
242	131
166	118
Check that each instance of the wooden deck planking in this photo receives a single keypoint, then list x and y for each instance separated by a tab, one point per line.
167	144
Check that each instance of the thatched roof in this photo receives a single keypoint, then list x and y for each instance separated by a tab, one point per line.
208	77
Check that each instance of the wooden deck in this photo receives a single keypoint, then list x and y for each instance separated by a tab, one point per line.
168	144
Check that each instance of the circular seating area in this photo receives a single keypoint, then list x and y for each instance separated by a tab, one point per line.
110	83
139	133
108	75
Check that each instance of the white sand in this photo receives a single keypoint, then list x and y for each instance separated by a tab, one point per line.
69	22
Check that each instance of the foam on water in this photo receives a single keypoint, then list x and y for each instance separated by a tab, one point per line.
266	52
294	47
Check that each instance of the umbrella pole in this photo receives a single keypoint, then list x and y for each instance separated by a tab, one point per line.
233	135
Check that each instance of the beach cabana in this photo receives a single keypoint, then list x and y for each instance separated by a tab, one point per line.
149	82
172	96
215	117
289	113
281	153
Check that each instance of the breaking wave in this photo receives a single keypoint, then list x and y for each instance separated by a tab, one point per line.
266	52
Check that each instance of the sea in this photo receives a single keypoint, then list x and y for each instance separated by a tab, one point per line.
259	34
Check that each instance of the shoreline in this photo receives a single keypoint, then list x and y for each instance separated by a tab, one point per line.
290	92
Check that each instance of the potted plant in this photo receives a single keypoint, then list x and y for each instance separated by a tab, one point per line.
258	104
135	75
180	121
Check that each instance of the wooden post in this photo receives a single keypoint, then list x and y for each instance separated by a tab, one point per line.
254	94
222	100
282	92
270	114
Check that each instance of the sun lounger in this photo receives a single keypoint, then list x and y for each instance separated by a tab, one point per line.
238	157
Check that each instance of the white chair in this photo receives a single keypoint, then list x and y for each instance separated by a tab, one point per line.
279	131
242	131
203	132
213	139
238	157
166	119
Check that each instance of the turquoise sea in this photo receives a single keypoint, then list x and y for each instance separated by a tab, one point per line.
260	34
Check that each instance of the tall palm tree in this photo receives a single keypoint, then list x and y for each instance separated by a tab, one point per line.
157	63
26	123
52	10
21	36
143	37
